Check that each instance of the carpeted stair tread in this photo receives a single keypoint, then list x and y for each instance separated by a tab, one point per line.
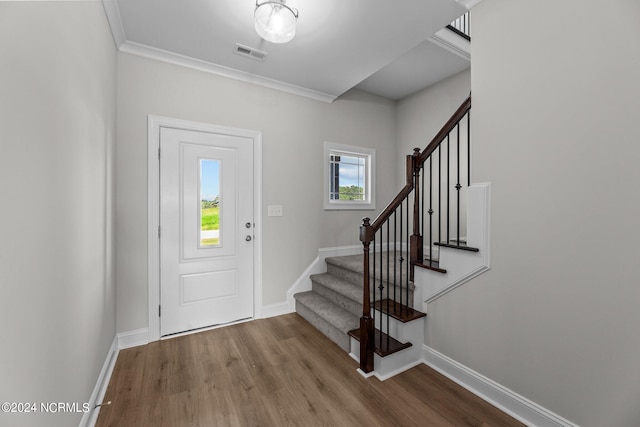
333	321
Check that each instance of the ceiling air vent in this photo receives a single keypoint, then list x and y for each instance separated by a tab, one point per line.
250	52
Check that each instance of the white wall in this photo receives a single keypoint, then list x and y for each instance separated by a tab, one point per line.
556	98
294	130
57	130
421	115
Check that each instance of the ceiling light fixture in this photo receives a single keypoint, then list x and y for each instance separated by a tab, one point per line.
275	21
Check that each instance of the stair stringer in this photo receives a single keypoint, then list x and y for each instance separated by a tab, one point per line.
396	363
461	265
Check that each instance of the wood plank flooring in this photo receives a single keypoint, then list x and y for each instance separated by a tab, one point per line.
277	372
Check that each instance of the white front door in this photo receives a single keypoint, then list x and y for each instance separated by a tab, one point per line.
206	229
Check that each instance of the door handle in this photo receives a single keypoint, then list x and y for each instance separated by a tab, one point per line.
248	238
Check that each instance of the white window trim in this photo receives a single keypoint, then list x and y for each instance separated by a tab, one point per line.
370	174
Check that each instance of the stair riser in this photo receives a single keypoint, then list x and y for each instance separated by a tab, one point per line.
385	264
344	274
338	299
393	364
331	332
400	295
347	303
358	278
351	305
347	289
387	367
412	331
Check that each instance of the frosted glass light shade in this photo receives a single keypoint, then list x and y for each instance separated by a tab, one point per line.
275	21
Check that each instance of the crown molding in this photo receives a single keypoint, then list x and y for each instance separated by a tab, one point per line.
117	31
452	42
208	67
115	23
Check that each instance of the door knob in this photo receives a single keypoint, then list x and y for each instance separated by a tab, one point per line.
248	238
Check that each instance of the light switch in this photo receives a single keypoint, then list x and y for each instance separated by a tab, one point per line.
274	210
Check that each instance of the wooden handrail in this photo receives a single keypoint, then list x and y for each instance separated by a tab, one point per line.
417	160
448	127
406	190
415	244
391	207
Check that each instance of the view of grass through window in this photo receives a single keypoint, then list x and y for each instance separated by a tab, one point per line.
209	202
347	177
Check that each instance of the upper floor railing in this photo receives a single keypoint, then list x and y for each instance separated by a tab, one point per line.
462	26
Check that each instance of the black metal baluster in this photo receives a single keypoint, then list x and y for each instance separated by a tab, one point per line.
408	264
395	249
439	197
422	197
401	260
388	279
448	174
468	148
381	287
458	186
373	277
430	211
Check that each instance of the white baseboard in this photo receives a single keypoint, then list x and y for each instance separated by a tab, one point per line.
386	376
89	418
508	401
277	309
138	337
133	338
303	283
318	266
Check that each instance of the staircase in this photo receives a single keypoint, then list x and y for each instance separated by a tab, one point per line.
334	304
432	237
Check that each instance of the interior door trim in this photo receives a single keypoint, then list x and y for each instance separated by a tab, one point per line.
155	123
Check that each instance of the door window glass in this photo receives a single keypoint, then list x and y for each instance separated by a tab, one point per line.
210	202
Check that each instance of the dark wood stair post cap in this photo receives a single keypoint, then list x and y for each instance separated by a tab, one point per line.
366	232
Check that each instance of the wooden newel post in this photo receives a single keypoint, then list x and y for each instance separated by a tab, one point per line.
416	252
367	343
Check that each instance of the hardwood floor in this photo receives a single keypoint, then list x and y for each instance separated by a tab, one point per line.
277	372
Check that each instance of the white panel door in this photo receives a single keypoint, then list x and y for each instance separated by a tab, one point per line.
206	229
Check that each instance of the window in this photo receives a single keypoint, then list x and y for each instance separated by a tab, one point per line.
209	202
349	177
